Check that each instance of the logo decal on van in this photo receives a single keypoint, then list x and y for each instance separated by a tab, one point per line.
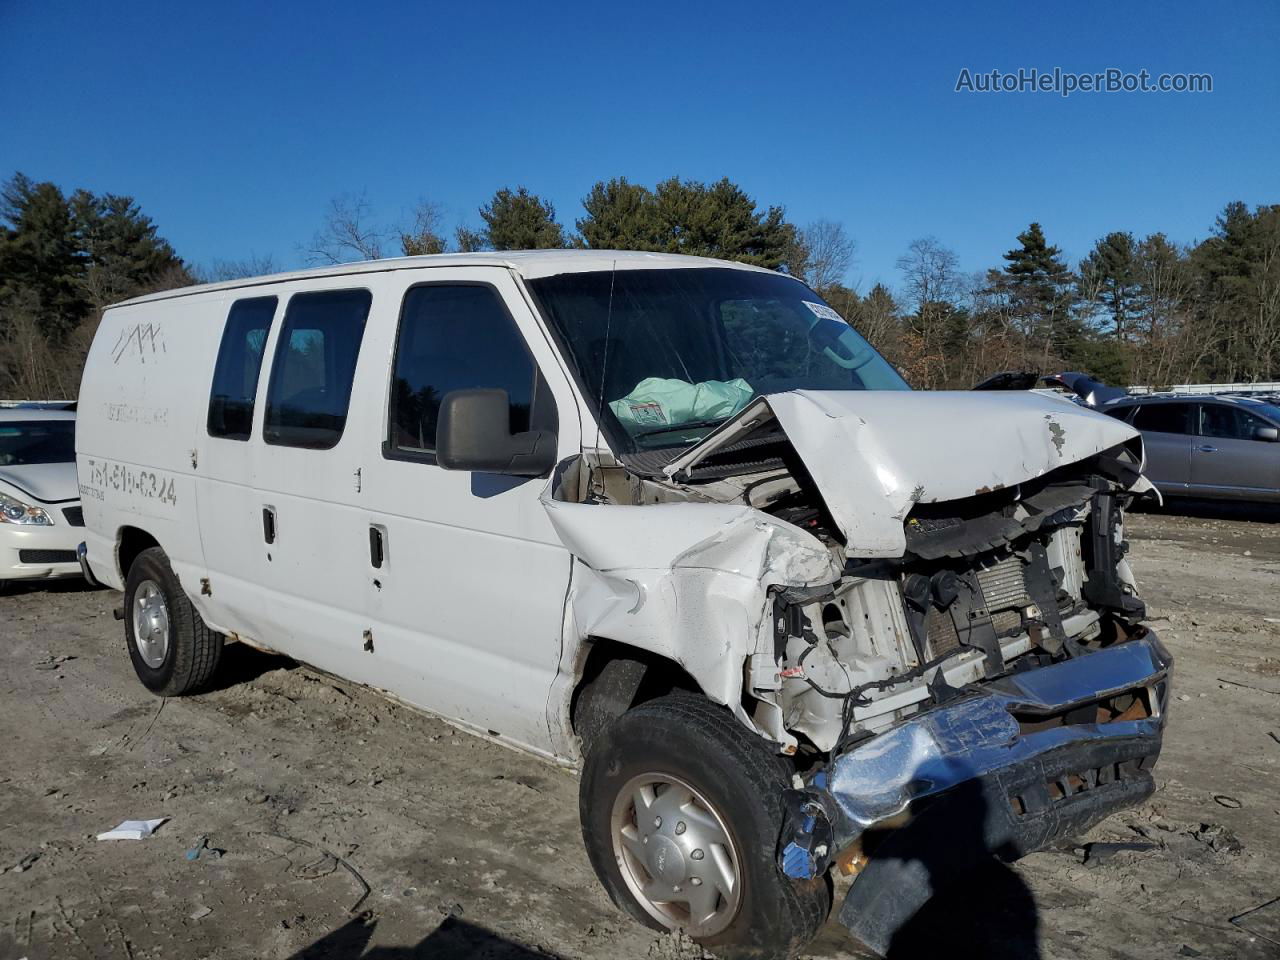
141	340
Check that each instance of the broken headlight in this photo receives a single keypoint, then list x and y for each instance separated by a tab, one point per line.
13	510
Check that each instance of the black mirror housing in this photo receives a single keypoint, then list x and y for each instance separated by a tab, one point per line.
473	433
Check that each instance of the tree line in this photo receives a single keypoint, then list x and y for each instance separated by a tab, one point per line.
1135	310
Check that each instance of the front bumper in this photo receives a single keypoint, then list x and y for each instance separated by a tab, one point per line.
37	553
1022	762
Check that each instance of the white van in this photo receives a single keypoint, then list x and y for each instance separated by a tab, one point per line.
668	519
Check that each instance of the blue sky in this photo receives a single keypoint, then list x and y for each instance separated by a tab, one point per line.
234	123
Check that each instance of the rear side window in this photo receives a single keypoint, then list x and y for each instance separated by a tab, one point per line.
314	364
1164	417
457	337
235	377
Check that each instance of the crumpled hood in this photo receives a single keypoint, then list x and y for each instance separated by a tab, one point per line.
873	454
46	482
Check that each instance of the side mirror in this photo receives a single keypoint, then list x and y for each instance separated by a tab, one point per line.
1266	433
473	433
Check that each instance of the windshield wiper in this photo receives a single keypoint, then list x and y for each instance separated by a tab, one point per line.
677	427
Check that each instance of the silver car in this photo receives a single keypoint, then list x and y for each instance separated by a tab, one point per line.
41	524
1222	447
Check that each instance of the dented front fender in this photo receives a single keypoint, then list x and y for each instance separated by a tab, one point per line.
686	581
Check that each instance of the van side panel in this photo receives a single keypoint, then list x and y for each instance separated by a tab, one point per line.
142	398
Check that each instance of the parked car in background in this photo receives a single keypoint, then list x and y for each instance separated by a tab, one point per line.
40	518
1214	446
1079	387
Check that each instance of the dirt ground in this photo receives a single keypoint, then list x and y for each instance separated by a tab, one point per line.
337	824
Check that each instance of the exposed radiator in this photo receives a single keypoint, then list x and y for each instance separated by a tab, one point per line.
1004	589
1004	584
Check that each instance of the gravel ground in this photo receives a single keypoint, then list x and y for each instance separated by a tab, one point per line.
338	824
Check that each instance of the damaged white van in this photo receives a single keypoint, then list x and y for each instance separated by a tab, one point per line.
668	519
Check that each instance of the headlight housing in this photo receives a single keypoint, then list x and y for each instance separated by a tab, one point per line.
13	510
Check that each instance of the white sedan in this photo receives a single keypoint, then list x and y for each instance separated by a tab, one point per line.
40	519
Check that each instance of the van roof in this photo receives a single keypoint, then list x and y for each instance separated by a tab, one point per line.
530	264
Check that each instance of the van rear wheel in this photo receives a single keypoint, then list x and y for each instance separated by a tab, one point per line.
172	649
681	811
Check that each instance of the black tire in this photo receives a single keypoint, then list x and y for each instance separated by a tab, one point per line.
689	737
193	650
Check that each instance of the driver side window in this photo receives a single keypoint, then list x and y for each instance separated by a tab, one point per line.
1228	423
458	336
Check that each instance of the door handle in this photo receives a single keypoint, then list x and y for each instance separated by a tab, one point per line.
269	524
376	548
1207	448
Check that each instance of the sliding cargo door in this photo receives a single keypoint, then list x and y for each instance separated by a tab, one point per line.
280	517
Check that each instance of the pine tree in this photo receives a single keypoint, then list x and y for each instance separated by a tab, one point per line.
519	220
1109	278
123	252
620	216
689	217
1239	268
41	257
1038	290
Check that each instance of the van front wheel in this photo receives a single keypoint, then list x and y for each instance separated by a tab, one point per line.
681	811
172	650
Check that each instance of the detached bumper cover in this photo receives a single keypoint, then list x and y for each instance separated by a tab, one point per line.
1007	771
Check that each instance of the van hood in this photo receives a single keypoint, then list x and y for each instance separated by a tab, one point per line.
875	454
46	482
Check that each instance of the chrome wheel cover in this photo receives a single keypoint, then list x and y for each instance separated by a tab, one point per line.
676	854
150	623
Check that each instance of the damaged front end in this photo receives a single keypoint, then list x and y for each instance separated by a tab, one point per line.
923	598
1005	769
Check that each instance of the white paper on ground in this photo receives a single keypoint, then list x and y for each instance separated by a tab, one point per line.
132	830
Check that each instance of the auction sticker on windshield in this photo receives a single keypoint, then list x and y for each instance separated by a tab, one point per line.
822	310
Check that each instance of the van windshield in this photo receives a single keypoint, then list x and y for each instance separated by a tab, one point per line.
674	353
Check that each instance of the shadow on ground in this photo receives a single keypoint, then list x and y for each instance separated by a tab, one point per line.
938	887
454	939
66	585
241	663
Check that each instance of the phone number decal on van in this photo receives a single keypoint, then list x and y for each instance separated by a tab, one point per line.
126	479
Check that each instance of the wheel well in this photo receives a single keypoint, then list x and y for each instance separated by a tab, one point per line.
617	677
132	542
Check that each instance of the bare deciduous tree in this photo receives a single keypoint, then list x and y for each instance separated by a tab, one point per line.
828	253
251	266
469	240
423	236
930	272
30	366
348	233
933	284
